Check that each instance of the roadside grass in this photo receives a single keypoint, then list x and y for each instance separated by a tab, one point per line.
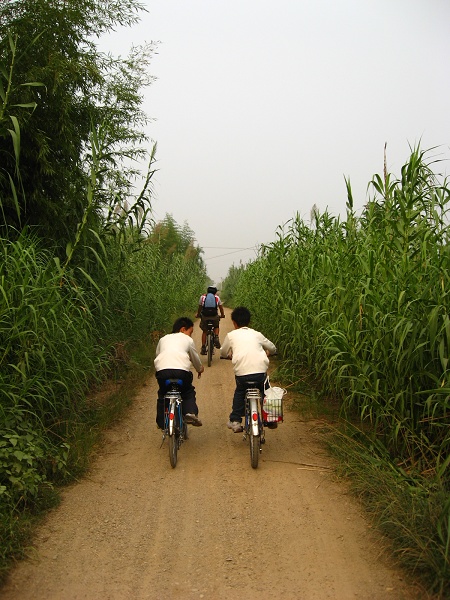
406	506
105	406
305	394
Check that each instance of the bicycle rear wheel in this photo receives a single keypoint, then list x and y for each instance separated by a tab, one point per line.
254	430
174	441
210	348
255	446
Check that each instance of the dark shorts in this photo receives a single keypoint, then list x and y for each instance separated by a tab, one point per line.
204	322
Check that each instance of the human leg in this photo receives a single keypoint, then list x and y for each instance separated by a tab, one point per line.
190	408
187	390
188	393
203	327
161	377
216	332
238	408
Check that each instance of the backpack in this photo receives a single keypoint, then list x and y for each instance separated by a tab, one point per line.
209	305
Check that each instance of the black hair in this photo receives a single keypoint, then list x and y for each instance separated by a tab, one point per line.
185	322
241	316
212	289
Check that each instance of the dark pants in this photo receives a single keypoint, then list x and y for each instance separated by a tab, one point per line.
187	393
238	409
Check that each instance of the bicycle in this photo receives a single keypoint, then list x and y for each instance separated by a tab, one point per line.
175	428
253	422
210	337
210	341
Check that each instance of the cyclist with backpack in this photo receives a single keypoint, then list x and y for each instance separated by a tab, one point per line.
209	307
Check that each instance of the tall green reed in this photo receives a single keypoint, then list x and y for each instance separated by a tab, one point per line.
364	305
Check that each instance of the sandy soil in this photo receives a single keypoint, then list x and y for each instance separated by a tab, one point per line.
213	527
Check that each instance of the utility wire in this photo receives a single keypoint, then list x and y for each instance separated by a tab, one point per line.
226	248
227	253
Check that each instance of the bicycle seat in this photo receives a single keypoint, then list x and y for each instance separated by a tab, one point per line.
171	381
251	384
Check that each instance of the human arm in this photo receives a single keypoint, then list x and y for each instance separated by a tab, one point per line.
268	346
200	307
225	349
199	311
220	307
195	359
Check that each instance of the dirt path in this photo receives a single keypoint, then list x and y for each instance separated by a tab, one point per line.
211	528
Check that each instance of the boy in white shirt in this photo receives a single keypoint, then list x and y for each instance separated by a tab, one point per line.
175	355
249	351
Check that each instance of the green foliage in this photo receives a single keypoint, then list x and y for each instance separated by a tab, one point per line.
230	283
156	284
84	271
26	457
364	306
173	239
412	512
48	333
60	333
80	91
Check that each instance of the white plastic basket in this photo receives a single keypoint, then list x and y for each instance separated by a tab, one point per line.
272	408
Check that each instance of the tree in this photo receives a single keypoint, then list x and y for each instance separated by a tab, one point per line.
173	239
84	98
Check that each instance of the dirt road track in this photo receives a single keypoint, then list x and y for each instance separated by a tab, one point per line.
213	527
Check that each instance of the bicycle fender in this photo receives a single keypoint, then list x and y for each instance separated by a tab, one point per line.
254	416
172	409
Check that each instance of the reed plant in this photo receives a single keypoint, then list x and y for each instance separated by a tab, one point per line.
59	339
89	284
364	305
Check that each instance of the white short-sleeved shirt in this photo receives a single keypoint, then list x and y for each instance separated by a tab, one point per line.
248	348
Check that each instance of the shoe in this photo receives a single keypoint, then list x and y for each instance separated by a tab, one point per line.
203	350
217	342
235	426
272	425
192	420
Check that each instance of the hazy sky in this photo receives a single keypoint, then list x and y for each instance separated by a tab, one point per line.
261	108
